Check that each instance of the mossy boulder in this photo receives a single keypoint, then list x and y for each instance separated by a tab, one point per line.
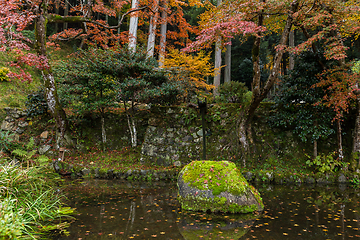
216	186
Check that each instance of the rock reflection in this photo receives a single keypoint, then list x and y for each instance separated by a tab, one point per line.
200	225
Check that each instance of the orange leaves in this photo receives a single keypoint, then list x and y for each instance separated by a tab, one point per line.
340	86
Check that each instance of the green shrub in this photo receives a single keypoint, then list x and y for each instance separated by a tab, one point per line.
325	163
232	92
10	223
7	141
29	205
3	74
36	103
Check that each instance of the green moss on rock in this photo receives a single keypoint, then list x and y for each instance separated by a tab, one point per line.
217	186
218	176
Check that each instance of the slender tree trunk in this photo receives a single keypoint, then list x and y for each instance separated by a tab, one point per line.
315	148
163	30
132	127
57	8
339	140
133	27
152	32
66	13
87	14
52	98
217	71
292	44
356	135
119	19
227	74
260	93
315	142
103	132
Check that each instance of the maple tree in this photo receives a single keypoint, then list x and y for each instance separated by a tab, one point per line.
319	21
17	16
194	69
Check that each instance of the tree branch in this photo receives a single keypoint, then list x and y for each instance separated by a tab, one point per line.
312	7
307	35
80	19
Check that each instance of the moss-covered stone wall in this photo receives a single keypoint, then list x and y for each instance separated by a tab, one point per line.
175	134
170	134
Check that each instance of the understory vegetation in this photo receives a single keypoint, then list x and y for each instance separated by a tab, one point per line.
31	202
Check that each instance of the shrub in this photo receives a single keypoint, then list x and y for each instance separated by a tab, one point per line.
232	92
36	103
29	204
6	141
325	163
3	74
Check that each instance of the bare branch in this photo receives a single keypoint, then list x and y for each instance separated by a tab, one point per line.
312	7
122	18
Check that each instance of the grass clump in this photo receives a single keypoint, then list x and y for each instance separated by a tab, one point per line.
29	204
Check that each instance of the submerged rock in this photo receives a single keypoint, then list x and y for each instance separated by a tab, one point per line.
217	186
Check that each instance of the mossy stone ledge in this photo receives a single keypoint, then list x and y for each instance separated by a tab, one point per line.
216	186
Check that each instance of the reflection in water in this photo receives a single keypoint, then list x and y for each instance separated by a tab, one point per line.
123	210
214	226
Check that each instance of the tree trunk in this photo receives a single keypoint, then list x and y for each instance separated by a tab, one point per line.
103	132
217	71
152	32
57	8
133	27
260	93
66	12
315	142
339	140
315	148
132	126
356	135
292	44
227	74
52	99
163	30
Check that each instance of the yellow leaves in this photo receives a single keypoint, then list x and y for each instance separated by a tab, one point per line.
194	67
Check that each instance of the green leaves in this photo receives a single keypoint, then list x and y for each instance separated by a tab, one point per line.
325	163
95	80
296	107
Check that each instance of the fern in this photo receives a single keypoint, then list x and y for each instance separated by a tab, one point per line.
20	153
42	160
31	144
28	154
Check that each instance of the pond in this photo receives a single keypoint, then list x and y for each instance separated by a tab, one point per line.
125	210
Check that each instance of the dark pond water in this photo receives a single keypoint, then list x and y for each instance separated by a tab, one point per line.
124	210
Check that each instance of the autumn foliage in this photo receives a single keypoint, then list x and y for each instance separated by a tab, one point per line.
196	67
